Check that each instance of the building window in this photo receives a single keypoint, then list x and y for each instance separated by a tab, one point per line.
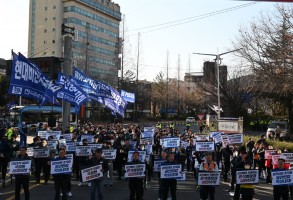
44	53
53	41
46	8
45	20
54	7
53	29
45	42
45	31
54	18
53	52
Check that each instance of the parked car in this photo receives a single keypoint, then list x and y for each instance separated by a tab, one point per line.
278	129
190	120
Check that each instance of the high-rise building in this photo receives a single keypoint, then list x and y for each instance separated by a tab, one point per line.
95	46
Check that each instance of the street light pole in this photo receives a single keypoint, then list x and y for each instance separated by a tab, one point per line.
217	66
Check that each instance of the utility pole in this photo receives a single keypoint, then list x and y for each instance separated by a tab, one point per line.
87	31
178	82
217	67
136	83
189	85
122	48
66	30
167	109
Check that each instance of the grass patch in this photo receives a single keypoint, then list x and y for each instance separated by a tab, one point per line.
275	143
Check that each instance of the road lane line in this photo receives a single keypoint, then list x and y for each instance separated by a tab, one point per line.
30	188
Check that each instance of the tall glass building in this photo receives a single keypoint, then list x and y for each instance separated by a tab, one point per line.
95	47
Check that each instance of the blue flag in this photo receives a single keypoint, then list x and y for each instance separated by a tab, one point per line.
27	79
93	88
51	94
117	104
71	92
127	96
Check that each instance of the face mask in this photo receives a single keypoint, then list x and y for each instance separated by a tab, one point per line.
122	143
112	141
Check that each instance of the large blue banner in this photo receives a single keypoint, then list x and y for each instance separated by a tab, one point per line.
117	104
51	93
71	92
93	88
127	96
27	79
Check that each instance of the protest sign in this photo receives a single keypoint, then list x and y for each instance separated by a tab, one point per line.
235	138
20	167
89	138
203	137
147	158
71	146
157	165
247	177
83	151
61	166
147	134
54	134
275	159
62	143
95	146
41	153
149	129
133	144
288	157
142	155
269	153
205	146
171	171
224	140
161	142
149	149
67	137
282	177
30	151
91	173
217	136
208	178
184	144
172	142
52	144
148	140
109	154
137	170
183	177
42	134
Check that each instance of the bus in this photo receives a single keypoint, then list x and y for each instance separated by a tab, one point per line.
33	115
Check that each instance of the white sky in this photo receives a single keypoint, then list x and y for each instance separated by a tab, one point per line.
208	35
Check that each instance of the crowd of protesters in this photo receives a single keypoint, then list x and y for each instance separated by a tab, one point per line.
123	138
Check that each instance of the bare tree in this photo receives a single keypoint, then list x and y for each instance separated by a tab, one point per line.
267	45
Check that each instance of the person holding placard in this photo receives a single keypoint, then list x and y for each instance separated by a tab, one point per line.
169	183
81	163
61	179
42	163
164	158
210	166
281	190
98	183
135	183
22	179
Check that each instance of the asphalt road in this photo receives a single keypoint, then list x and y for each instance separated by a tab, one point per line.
185	190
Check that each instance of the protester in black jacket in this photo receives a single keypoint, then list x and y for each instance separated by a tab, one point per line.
22	179
136	183
5	152
98	183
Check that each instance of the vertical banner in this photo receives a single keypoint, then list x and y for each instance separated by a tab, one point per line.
171	171
247	177
136	170
209	178
91	173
